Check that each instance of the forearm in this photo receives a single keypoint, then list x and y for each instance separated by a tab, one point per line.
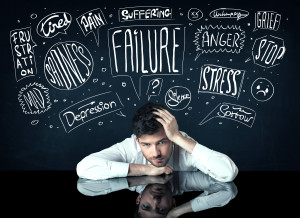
180	210
95	168
215	164
148	169
137	170
187	144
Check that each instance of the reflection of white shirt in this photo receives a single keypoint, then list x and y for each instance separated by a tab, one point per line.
114	161
215	193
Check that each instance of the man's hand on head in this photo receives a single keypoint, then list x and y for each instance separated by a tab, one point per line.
168	122
170	126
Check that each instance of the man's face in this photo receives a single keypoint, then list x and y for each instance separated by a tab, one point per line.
156	201
156	148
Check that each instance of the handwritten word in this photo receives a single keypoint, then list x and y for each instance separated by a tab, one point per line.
144	13
91	21
221	80
233	112
68	65
34	99
267	51
178	98
89	109
229	13
54	24
267	20
219	39
22	49
138	51
138	48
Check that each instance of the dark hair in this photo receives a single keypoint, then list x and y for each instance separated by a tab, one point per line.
144	121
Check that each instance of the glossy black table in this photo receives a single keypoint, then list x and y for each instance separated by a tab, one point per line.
55	193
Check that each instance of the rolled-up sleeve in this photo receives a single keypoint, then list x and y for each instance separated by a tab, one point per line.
215	164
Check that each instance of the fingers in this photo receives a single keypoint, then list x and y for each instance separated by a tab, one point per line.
164	116
168	169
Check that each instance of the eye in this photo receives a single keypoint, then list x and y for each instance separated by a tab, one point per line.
258	87
162	142
161	210
267	90
145	206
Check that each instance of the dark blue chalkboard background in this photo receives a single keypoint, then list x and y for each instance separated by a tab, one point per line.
40	142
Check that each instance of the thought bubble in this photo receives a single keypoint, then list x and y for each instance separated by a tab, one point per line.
53	24
91	21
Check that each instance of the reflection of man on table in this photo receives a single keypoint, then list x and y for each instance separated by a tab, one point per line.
157	193
156	147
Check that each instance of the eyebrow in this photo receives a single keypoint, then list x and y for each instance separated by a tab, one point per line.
155	142
156	211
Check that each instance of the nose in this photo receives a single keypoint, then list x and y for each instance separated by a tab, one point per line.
156	199
156	151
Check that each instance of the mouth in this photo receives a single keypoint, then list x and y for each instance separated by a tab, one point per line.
261	91
158	160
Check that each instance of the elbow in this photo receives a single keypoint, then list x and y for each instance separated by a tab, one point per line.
81	170
230	174
88	169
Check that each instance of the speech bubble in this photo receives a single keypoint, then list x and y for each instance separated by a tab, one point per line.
154	87
53	24
91	21
23	54
144	13
215	39
238	113
268	20
221	80
68	65
34	99
268	51
89	109
229	13
145	50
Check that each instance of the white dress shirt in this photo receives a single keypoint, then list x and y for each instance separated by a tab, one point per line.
114	161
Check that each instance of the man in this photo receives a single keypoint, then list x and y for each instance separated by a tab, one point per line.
156	147
157	194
